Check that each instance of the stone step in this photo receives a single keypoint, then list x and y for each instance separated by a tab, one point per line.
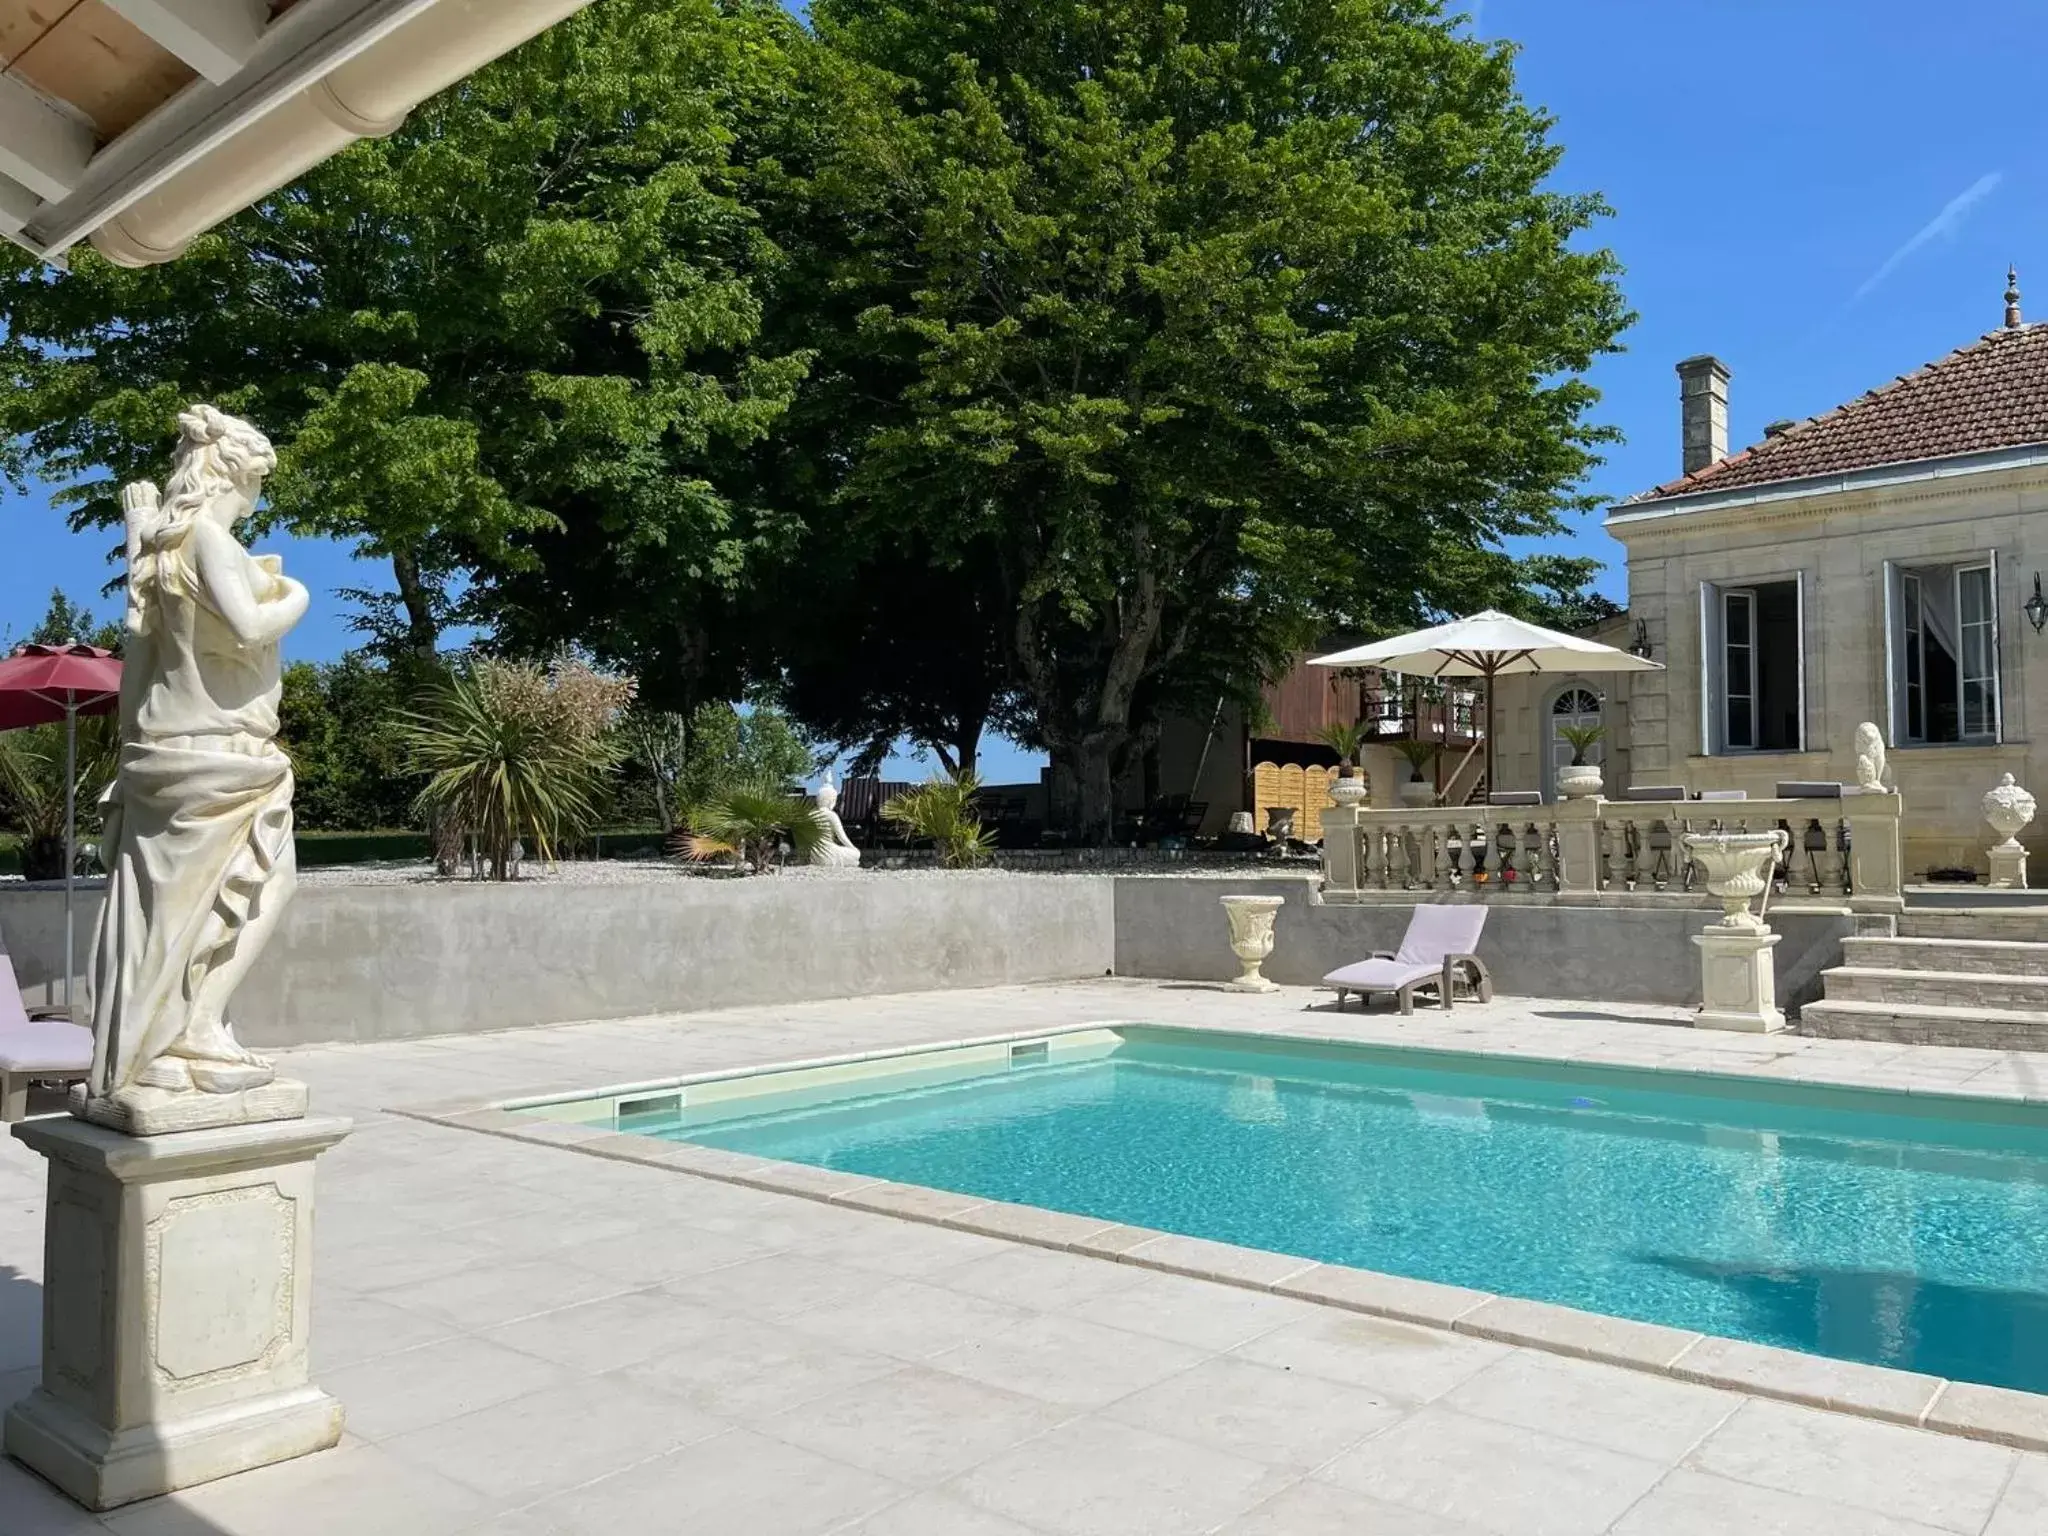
2023	924
1997	1029
2002	957
1946	989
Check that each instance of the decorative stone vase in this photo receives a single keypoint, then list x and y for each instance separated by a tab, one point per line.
1737	867
1251	937
1280	822
1738	976
1242	824
1416	793
1349	790
2008	808
1579	780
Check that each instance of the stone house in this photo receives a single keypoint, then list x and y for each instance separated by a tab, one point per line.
1880	562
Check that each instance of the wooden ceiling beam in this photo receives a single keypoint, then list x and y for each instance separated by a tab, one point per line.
17	206
215	37
42	146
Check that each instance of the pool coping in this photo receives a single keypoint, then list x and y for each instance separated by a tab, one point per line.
1971	1410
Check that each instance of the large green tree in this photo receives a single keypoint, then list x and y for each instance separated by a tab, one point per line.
529	314
1219	325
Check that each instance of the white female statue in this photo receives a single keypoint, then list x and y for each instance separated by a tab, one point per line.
834	849
199	822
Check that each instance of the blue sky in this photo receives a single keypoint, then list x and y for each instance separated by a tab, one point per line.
1823	194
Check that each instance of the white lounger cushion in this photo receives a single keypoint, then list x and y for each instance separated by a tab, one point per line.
45	1047
1435	930
1380	975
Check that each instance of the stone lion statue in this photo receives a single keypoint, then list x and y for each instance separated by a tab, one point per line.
1870	768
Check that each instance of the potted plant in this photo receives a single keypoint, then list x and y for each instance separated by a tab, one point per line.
1418	791
1580	778
1345	738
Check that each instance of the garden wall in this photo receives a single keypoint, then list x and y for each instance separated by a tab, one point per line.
380	962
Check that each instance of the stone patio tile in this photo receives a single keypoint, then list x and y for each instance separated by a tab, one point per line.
1029	1223
907	1249
1217	1261
498	1293
350	1491
646	1254
1695	1504
1801	1378
1396	1296
776	1287
2023	1510
407	1260
436	1382
1042	1279
1196	1312
1567	1330
1622	1410
349	1328
1408	1363
909	1319
1066	1361
1992	1413
1260	1412
31	1507
1094	1477
917	1426
521	1451
1503	1478
1907	1474
1321	1509
739	1483
936	1514
611	1332
750	1370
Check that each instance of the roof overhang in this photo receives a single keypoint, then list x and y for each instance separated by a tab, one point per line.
235	98
1878	477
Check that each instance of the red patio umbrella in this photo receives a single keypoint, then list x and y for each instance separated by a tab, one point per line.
42	684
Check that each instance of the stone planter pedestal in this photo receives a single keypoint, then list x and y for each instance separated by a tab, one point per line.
177	1292
2008	808
1251	938
1738	972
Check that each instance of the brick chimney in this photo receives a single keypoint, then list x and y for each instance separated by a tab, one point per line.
1703	408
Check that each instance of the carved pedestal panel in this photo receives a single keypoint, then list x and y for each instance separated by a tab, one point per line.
176	1296
1739	980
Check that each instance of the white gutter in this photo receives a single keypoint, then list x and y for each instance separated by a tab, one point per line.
323	75
1877	477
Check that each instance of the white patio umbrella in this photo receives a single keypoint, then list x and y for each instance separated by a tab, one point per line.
1487	645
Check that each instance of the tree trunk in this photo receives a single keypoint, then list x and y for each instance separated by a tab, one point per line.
422	631
1095	788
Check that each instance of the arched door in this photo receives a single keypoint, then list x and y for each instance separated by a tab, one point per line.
1572	707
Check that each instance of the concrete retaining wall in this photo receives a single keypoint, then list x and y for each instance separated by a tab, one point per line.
1175	928
381	962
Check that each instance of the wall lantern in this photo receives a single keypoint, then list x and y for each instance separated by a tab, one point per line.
2037	606
1640	646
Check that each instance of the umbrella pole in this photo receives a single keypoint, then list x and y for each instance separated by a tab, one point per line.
70	835
1490	785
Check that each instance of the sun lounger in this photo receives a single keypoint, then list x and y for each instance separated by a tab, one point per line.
34	1048
1436	951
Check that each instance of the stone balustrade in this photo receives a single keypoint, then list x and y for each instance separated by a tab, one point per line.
1594	850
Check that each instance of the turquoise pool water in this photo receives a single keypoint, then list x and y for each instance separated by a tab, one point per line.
1908	1232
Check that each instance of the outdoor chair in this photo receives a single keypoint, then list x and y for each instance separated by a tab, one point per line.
1435	952
32	1049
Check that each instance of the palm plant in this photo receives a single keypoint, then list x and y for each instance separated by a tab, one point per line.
514	752
1419	755
1581	737
32	787
747	821
1344	738
942	813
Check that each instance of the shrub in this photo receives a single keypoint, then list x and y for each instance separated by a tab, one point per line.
746	822
515	751
942	813
32	787
1581	737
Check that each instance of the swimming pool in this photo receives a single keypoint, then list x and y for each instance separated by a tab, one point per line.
1902	1230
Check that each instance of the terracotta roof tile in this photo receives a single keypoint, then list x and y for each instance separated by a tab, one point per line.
1990	394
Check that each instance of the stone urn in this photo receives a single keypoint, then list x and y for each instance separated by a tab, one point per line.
1348	790
1738	977
1280	822
1579	780
2008	808
1416	793
1251	937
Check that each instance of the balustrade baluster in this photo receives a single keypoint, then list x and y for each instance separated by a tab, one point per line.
1468	865
1545	874
1431	869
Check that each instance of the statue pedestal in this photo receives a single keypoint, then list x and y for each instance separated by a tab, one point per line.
2008	865
177	1291
1739	980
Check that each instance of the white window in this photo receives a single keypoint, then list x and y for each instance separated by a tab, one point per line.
1942	643
1753	666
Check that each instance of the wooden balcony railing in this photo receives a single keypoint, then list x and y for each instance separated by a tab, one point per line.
1593	849
1422	711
